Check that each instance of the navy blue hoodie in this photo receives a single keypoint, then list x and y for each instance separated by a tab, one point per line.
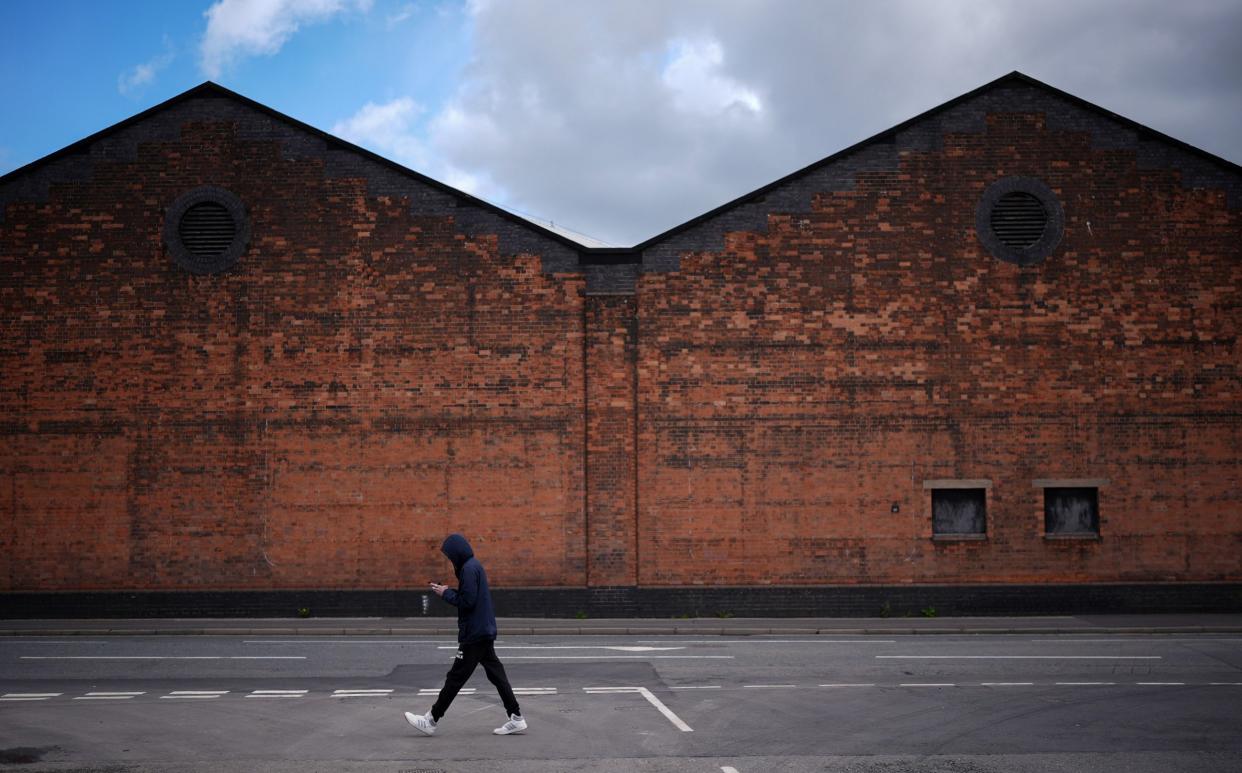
476	621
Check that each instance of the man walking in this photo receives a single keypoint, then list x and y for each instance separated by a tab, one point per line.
476	638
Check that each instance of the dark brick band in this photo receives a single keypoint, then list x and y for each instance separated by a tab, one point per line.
632	602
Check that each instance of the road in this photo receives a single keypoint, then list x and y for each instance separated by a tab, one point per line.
714	704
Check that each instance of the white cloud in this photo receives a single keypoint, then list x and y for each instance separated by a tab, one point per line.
131	81
239	28
624	119
388	129
393	130
698	85
403	13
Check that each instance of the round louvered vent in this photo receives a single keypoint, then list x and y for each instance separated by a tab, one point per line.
206	230
1019	220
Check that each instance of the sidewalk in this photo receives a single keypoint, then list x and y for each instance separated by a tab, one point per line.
527	626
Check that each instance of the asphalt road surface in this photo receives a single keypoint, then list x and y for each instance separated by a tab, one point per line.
967	704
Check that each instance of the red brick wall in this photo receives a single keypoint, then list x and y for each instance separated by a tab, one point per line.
797	383
610	442
379	369
363	382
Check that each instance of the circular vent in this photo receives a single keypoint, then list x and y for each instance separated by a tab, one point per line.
206	230
1019	220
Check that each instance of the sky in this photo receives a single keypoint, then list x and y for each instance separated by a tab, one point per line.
615	120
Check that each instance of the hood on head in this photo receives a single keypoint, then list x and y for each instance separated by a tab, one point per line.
457	550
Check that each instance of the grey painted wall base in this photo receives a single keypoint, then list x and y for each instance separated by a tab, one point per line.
641	602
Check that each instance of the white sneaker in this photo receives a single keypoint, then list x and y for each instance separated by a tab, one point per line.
515	725
425	723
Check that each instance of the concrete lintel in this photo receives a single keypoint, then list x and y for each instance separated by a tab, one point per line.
1069	482
958	483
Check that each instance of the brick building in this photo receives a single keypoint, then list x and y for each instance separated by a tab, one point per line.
985	361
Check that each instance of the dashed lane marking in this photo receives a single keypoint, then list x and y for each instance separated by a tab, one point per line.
1020	657
618	648
20	697
41	642
769	686
696	687
768	641
163	657
619	657
334	641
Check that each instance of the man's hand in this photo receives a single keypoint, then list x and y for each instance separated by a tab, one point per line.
438	589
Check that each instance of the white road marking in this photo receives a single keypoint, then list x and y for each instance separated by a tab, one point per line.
332	641
39	641
163	657
1148	640
761	686
654	701
532	691
727	769
697	687
1020	657
772	641
580	647
619	657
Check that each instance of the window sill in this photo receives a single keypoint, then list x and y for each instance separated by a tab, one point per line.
959	538
1088	536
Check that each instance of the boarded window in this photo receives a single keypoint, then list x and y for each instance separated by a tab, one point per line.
1071	511
959	511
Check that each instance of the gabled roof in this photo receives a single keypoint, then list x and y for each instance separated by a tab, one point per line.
211	89
590	253
889	135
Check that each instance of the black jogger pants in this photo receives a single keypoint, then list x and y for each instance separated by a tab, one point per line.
468	656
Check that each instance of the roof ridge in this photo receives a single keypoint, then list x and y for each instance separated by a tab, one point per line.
1014	76
211	88
610	254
